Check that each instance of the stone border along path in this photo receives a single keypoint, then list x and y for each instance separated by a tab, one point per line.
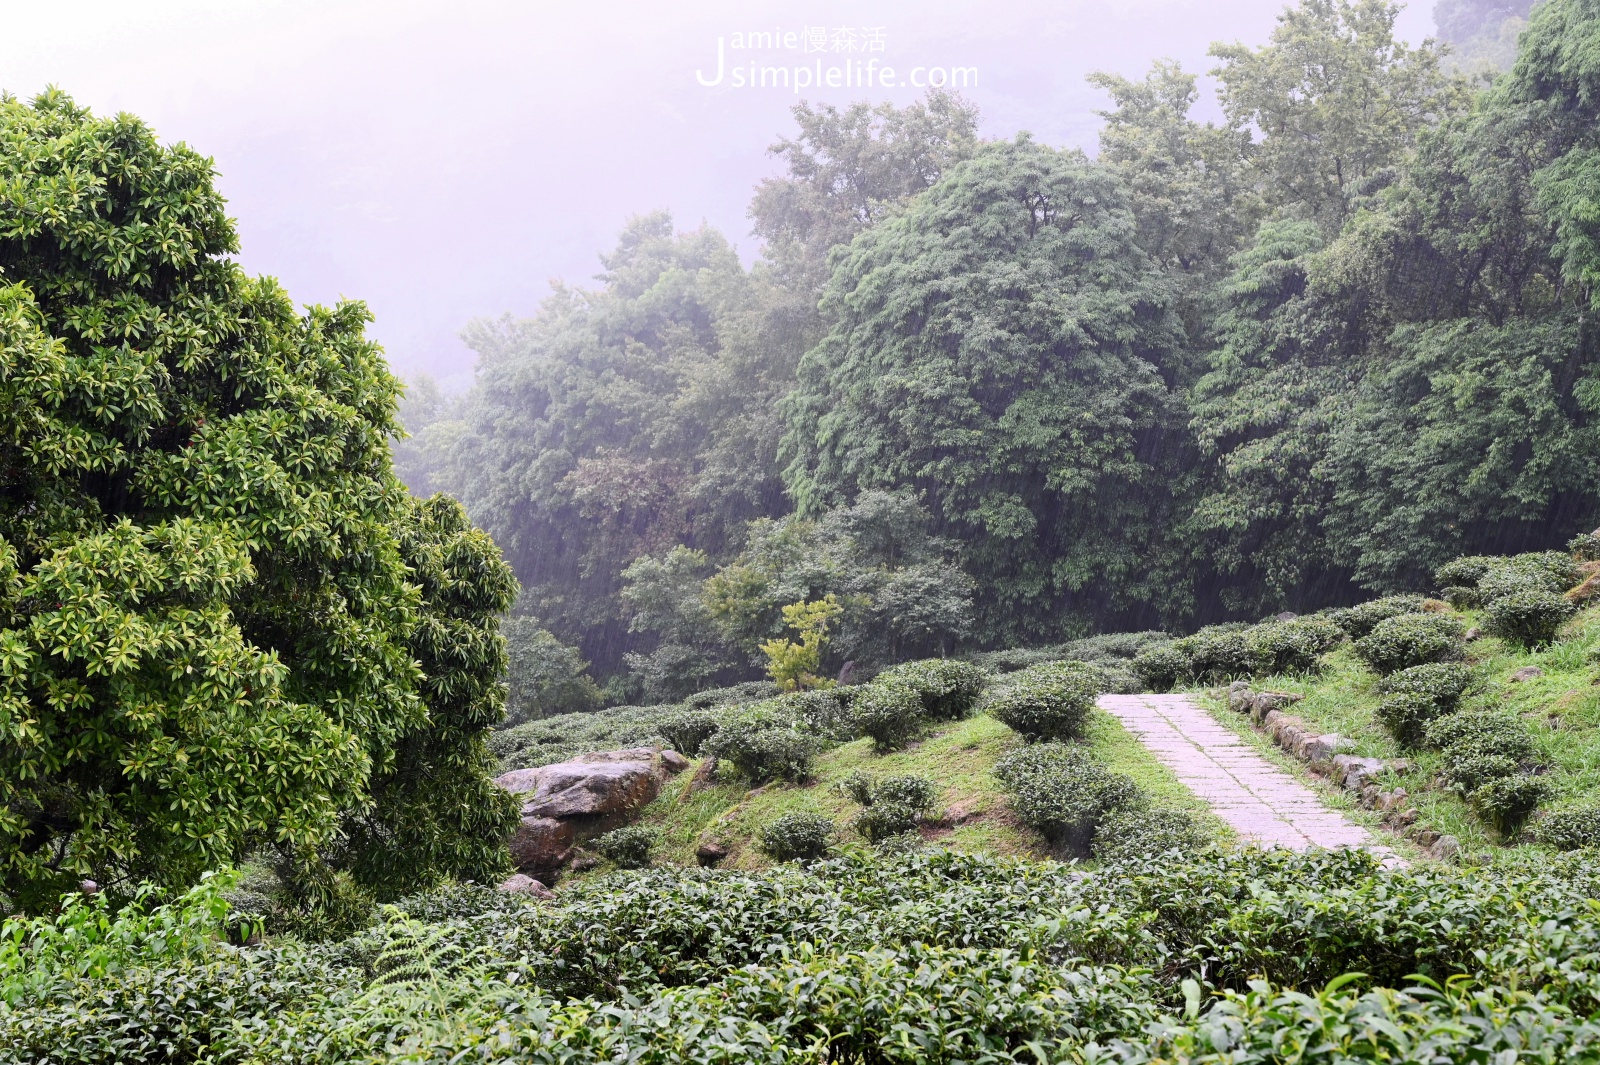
1262	802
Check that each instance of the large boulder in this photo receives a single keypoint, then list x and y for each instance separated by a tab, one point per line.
608	782
568	802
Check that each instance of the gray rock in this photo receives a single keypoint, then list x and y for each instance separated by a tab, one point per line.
1239	699
1355	773
1320	749
710	854
1527	673
1265	702
522	884
607	782
1444	849
542	844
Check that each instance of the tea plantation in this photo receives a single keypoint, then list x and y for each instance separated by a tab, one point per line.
891	884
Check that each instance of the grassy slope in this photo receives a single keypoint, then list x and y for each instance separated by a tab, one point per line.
1562	709
959	757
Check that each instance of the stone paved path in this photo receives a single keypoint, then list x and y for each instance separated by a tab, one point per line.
1263	803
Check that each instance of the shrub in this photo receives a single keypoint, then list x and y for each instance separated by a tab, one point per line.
1136	832
1063	793
1570	830
1415	697
1531	617
1010	660
1482	732
1160	669
1461	597
1585	547
1408	640
879	822
1359	621
1048	702
825	712
688	730
858	786
1506	802
1293	646
1465	571
888	712
1221	653
1443	682
1406	716
797	837
948	689
751	691
1484	754
893	805
629	846
761	750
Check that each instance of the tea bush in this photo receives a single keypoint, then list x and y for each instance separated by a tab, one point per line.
1485	756
1230	652
629	846
948	689
1221	653
1160	669
555	739
893	805
1531	617
762	750
1140	832
798	837
1407	640
1063	793
1585	547
1506	802
824	712
888	712
1359	621
1415	697
751	691
1233	956
687	730
1295	646
1570	830
1049	702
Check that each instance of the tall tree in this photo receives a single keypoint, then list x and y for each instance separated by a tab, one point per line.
1337	102
617	423
210	629
998	346
848	170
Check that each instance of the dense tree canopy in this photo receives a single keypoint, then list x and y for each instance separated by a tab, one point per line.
998	346
223	624
1276	361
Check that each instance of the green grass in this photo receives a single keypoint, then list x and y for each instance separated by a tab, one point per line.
1561	708
972	811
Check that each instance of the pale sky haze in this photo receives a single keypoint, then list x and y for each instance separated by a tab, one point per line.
443	161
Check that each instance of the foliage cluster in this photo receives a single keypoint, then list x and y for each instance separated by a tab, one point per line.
1223	653
1052	701
1409	640
798	837
629	846
891	806
860	956
224	625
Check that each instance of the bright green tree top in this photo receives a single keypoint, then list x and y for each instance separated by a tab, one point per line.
210	638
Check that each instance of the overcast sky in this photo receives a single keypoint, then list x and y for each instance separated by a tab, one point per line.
444	160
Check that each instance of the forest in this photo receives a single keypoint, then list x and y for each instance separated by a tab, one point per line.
993	393
767	658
